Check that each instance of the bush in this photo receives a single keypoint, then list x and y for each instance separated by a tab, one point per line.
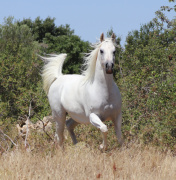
148	85
20	83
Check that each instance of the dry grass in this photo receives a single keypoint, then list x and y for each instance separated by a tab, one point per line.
82	162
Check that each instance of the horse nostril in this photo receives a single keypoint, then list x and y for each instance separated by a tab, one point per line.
106	65
109	65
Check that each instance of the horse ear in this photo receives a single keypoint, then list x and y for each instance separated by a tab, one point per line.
102	37
113	37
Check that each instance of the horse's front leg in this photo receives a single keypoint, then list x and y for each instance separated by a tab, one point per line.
95	120
117	125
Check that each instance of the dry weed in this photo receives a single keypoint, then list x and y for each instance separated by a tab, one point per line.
82	162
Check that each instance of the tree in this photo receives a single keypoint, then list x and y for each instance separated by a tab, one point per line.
59	39
73	46
19	67
148	85
40	28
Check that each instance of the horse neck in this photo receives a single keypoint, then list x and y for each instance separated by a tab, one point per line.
101	78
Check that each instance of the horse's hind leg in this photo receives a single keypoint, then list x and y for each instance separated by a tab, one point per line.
117	125
60	124
71	124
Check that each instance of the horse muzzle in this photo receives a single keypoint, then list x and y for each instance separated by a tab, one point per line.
109	68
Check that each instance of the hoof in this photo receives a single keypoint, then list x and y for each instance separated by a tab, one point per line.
121	142
103	147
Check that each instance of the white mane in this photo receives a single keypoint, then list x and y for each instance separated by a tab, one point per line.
90	60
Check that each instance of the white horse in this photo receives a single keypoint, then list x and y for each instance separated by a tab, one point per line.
92	97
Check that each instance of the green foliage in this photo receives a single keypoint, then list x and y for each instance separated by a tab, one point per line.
39	28
72	45
19	67
58	40
148	85
171	0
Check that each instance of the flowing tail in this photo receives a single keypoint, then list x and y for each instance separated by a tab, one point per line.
52	69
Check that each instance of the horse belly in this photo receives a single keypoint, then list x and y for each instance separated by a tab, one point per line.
73	100
75	110
80	118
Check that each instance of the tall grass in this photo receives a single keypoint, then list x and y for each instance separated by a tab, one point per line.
85	161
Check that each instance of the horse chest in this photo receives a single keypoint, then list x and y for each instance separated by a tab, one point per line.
105	112
100	98
102	106
108	107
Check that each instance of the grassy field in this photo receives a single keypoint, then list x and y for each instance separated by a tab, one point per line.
44	161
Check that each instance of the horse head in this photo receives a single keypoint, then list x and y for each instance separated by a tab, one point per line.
106	53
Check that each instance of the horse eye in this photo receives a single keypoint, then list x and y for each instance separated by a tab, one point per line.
101	51
114	53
